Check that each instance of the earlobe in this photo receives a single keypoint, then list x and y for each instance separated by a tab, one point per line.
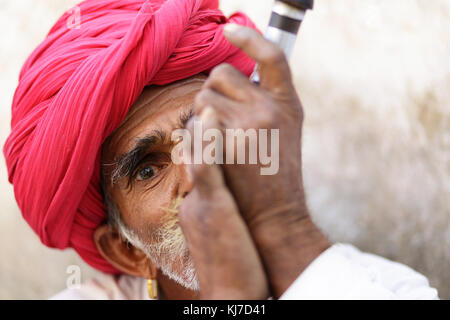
123	255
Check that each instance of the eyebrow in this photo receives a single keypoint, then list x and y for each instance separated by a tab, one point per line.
127	163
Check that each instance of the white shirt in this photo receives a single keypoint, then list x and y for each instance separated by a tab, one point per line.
341	272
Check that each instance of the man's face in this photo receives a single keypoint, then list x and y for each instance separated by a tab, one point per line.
142	181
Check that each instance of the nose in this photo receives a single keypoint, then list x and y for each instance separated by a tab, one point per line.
186	182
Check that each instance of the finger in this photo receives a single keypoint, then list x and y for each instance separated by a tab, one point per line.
222	249
273	66
209	98
229	82
225	258
224	107
206	177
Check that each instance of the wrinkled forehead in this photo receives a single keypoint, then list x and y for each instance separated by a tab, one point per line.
150	96
154	102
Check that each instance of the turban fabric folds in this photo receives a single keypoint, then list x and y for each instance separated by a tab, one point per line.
76	88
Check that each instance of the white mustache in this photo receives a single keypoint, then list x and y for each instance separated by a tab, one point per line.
169	249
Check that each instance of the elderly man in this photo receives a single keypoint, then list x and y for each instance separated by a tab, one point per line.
91	159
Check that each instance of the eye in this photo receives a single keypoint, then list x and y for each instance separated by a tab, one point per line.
146	173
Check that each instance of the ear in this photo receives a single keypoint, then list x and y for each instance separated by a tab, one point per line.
123	255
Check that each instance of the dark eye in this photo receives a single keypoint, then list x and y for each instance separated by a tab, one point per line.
146	173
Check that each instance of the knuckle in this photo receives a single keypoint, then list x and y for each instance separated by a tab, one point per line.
247	42
205	178
274	55
264	122
299	113
203	97
267	119
249	36
199	216
192	210
221	72
200	173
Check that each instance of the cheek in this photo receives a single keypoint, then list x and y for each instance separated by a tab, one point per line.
145	210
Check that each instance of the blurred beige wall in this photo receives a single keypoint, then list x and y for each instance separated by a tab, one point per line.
374	78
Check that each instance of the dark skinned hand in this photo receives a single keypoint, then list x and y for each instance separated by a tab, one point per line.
225	257
273	206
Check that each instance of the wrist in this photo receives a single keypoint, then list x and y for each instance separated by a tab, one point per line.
288	243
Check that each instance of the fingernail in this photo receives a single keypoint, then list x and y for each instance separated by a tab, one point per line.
232	28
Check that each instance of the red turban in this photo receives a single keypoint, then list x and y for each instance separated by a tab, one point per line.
77	87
